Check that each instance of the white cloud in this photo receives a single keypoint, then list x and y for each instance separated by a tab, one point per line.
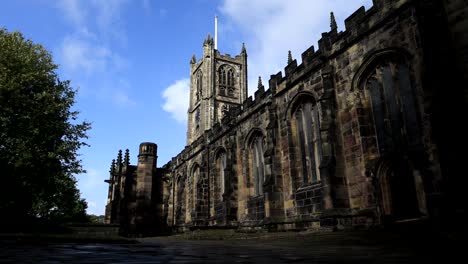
105	14
97	26
108	18
90	51
273	27
177	99
96	208
78	53
73	11
122	99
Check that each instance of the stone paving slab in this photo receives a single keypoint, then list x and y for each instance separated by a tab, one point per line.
338	247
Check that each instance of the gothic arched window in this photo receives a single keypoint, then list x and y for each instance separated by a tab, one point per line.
179	202
393	105
226	81
307	141
257	163
221	167
195	180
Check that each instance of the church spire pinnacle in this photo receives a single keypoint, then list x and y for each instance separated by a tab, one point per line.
127	157
119	158
243	51
193	60
333	25
260	84
112	168
289	57
208	41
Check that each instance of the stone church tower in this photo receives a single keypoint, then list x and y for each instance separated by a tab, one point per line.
217	82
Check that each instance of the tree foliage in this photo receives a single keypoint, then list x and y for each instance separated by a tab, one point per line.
39	135
96	219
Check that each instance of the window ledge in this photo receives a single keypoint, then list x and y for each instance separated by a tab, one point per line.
309	185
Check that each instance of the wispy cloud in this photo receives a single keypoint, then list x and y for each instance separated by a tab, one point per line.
108	19
81	53
78	53
176	98
90	51
273	27
102	13
73	11
122	99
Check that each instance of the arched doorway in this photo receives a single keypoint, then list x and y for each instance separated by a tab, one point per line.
397	190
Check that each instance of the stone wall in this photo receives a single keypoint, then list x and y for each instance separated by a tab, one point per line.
349	155
345	138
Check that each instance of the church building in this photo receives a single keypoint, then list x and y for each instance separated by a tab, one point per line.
355	134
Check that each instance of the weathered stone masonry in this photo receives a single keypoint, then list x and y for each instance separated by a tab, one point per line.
351	136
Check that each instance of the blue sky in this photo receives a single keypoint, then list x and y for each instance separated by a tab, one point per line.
129	60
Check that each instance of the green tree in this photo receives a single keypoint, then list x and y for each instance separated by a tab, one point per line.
39	135
96	219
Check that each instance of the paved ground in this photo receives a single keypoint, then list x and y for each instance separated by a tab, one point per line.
336	247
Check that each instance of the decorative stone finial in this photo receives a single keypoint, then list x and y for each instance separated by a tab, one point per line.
193	60
127	157
260	85
112	168
333	25
209	40
119	158
289	57
243	51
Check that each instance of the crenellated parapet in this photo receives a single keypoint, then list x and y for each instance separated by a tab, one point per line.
358	24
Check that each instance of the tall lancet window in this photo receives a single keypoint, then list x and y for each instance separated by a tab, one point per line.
307	141
199	91
226	81
195	190
257	168
221	169
393	106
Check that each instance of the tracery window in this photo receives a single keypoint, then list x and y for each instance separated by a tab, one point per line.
194	185
221	165
307	141
226	81
393	106
179	200
257	164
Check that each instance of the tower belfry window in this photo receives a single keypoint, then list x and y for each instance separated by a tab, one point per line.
226	81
